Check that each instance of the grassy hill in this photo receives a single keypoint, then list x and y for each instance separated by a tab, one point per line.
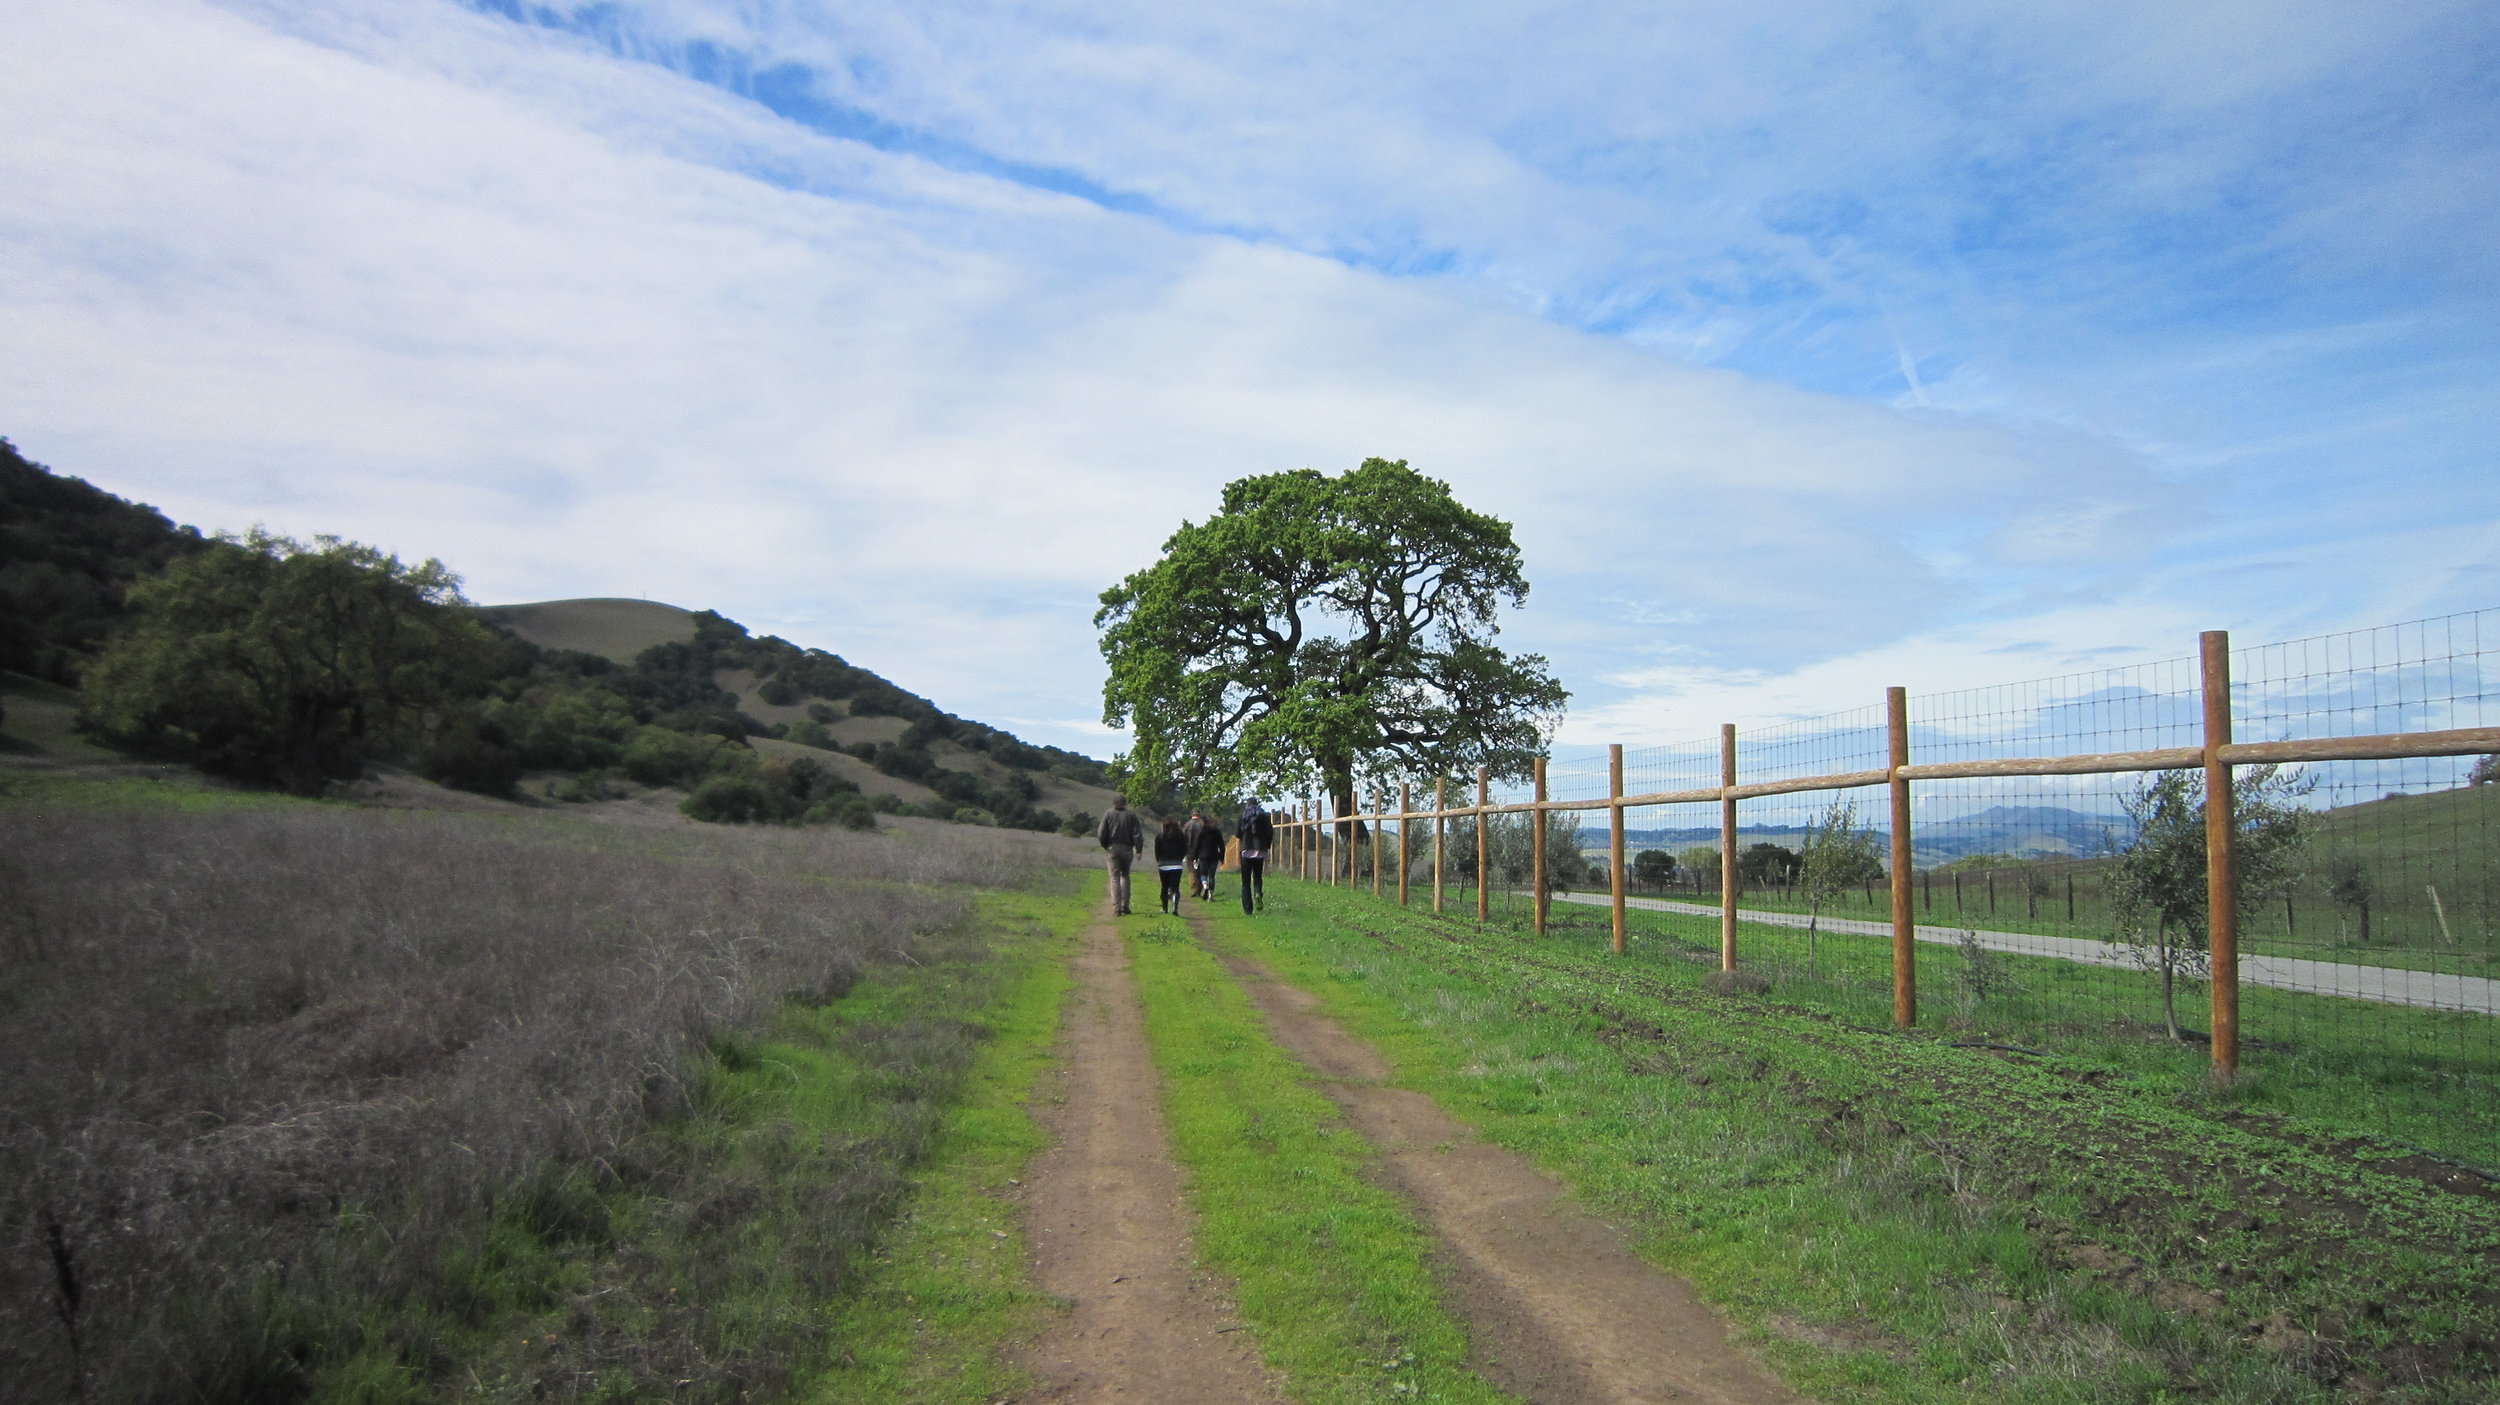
588	700
616	630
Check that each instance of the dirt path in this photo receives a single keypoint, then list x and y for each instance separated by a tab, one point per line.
1560	1310
1109	1232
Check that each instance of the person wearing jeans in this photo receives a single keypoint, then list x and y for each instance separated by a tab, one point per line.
1258	834
1121	835
1171	855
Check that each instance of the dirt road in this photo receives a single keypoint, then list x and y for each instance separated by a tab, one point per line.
1109	1232
1560	1311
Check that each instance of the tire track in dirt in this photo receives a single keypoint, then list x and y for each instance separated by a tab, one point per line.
1109	1231
1559	1310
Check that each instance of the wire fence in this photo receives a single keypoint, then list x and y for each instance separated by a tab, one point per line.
2333	949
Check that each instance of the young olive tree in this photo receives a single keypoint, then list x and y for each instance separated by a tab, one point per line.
1329	630
2157	887
1839	854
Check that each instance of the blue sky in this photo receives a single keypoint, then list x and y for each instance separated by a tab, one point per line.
1809	349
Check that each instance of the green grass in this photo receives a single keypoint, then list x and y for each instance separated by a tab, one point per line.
2430	1078
1331	1272
42	720
949	1288
176	791
1894	1219
2427	1078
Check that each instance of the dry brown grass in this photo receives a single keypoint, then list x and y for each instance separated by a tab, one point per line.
267	1073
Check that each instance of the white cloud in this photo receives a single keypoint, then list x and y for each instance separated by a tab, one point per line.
581	326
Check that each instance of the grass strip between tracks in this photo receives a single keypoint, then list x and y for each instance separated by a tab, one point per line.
1331	1271
1889	1219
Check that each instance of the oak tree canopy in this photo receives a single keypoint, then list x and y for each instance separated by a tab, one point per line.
1324	630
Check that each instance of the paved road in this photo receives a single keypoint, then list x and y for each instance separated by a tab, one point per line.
2388	985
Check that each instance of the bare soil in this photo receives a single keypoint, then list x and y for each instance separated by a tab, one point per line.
1560	1310
1110	1234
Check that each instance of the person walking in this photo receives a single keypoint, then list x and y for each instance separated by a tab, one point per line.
1189	831
1171	858
1258	835
1121	836
1206	856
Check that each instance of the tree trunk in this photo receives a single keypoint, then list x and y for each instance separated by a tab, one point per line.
1341	794
2169	1006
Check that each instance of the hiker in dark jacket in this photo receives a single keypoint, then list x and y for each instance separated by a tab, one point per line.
1171	856
1121	836
1258	835
1206	855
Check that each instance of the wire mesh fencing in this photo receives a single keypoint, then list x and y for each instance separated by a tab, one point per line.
2061	890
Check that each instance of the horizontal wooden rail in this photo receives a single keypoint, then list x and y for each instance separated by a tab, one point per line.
2389	746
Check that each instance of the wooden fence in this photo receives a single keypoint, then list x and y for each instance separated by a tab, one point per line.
1320	847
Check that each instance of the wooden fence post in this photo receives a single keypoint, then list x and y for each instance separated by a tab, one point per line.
1440	824
1536	845
2222	885
1338	833
1484	848
1380	819
1904	919
1727	847
1406	807
1614	832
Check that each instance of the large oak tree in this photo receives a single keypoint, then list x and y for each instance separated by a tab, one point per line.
1324	630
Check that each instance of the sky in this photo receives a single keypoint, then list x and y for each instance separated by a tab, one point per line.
1808	349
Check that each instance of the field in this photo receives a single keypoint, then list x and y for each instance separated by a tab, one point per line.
313	1101
1900	1218
335	1102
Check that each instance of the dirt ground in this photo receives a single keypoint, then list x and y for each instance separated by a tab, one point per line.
1110	1234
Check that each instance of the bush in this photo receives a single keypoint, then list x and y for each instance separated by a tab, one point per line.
852	811
594	784
731	799
822	713
810	733
779	691
659	756
472	752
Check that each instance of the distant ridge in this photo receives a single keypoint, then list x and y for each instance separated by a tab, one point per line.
611	627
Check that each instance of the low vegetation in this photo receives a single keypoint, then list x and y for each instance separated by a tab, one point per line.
1897	1218
302	1101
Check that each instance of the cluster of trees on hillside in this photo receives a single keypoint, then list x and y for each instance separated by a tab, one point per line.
296	664
68	553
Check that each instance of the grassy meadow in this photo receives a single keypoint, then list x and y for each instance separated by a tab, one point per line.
1894	1218
304	1101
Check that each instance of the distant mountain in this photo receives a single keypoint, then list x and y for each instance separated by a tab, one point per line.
2014	831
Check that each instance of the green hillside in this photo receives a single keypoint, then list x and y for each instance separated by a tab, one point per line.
589	701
